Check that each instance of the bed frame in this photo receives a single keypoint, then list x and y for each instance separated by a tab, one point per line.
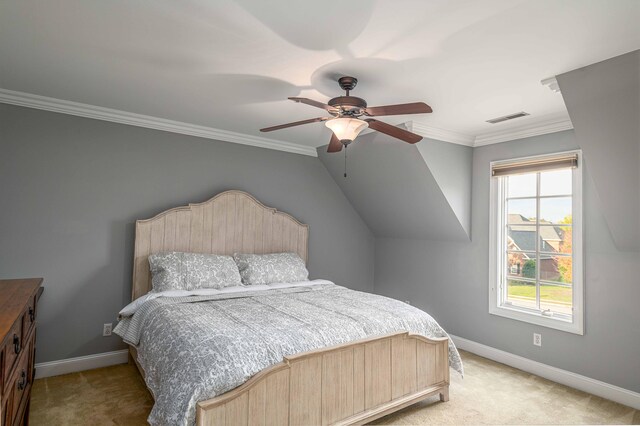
351	383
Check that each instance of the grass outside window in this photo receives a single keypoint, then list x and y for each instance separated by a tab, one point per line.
559	294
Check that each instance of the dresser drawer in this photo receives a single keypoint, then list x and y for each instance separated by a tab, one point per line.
12	349
29	317
20	385
18	306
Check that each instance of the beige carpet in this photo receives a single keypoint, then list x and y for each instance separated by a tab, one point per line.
490	393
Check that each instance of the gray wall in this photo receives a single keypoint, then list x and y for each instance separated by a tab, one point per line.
393	188
71	189
450	281
451	167
603	101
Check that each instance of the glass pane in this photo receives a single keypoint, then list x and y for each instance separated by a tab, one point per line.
521	211
556	268
521	265
521	185
521	293
556	239
521	237
556	298
555	210
555	182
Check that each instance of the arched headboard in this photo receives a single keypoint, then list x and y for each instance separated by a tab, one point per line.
231	222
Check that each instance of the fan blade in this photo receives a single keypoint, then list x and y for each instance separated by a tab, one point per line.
334	144
400	109
295	123
313	103
393	131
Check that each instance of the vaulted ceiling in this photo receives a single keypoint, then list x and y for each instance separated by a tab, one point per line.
231	64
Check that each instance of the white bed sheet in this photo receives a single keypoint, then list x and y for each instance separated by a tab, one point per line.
132	307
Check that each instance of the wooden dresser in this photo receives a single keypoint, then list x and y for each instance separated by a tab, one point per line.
18	300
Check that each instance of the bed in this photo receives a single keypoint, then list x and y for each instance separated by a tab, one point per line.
330	355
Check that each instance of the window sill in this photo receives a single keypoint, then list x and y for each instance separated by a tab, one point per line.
575	327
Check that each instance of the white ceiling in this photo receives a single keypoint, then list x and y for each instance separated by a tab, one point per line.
232	64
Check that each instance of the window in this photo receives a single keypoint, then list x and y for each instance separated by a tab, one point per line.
536	241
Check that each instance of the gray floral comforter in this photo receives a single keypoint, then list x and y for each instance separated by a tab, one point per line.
194	348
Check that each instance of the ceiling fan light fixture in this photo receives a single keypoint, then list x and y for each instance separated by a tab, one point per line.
346	129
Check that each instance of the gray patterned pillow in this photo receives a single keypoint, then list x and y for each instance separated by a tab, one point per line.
271	268
191	271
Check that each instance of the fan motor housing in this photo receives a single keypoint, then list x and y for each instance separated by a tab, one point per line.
349	105
347	83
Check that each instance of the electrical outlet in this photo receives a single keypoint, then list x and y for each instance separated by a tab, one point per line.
537	339
106	329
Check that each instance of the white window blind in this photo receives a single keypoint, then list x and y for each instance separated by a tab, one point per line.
557	162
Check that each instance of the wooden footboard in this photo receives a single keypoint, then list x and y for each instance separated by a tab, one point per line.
347	384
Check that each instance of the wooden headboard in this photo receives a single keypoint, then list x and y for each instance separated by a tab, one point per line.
231	222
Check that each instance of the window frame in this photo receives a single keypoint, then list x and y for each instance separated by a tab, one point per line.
497	235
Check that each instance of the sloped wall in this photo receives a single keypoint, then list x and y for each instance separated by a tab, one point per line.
603	101
397	193
451	167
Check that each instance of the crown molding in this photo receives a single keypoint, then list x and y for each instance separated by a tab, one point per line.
552	84
440	134
123	117
550	125
521	132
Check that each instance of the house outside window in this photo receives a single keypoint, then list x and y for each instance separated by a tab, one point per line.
536	264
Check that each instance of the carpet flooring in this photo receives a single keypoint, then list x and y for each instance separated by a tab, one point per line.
490	393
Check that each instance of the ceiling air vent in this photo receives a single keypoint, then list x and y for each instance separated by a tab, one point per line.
508	117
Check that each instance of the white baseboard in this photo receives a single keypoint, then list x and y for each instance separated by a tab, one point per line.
576	381
81	363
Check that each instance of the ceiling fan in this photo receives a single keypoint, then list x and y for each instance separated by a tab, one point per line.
345	121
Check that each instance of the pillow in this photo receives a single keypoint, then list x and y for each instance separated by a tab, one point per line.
271	268
192	271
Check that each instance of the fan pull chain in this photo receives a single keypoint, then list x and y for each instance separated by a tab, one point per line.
345	160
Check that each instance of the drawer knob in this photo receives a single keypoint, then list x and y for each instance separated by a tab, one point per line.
23	380
32	314
16	343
